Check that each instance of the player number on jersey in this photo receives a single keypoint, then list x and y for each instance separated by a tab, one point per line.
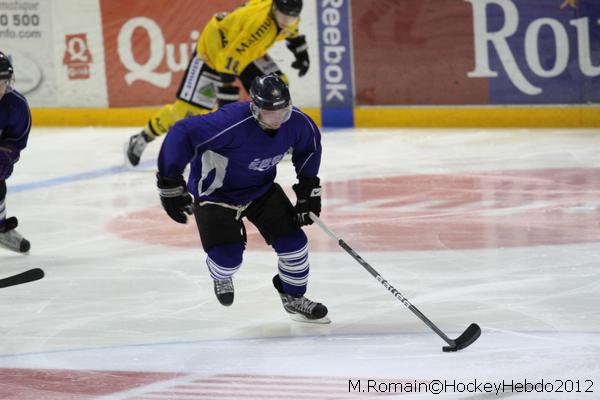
232	65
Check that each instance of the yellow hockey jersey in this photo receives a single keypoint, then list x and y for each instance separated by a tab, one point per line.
229	42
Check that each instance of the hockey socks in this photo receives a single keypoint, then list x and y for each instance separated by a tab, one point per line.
2	213
293	262
223	261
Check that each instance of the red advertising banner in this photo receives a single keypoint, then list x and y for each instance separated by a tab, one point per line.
414	52
148	45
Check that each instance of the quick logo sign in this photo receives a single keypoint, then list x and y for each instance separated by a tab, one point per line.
78	56
158	51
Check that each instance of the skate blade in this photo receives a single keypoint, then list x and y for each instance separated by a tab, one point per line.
302	318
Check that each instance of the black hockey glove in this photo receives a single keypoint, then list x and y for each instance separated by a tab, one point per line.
6	162
308	194
174	197
299	47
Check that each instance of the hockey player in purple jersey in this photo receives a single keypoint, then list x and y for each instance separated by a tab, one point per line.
15	123
233	155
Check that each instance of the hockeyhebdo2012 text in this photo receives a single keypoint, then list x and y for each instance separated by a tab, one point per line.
445	386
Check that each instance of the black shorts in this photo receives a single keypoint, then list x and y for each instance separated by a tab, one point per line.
259	67
272	214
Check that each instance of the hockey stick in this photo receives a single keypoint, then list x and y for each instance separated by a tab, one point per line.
24	277
465	339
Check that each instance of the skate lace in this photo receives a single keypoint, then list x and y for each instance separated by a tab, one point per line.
224	286
303	304
11	239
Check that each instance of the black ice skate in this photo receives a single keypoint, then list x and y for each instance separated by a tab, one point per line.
301	309
135	148
11	239
224	291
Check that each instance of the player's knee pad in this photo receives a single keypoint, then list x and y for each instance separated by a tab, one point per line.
224	260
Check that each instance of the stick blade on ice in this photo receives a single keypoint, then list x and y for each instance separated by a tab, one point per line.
24	277
470	335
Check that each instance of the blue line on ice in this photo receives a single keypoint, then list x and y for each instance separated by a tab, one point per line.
84	176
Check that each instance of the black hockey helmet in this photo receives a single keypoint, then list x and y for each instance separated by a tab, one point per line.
289	7
269	92
271	101
6	69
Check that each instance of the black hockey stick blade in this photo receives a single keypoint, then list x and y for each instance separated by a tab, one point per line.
466	339
24	277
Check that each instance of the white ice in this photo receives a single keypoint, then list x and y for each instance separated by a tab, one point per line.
110	302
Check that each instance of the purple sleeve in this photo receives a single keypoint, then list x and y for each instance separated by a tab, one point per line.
185	140
15	138
176	151
307	149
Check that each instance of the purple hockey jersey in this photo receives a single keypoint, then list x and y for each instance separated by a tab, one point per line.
232	159
15	123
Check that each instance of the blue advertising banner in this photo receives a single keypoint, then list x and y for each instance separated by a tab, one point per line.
335	47
542	52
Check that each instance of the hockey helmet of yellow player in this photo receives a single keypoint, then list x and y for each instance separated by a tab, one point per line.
286	12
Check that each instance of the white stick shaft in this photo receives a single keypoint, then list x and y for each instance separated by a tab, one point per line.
322	225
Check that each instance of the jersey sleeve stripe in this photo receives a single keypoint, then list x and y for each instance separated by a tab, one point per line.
304	163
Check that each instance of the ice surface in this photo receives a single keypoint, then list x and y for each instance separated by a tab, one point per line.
498	227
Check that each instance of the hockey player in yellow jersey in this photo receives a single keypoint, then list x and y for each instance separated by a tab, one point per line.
232	45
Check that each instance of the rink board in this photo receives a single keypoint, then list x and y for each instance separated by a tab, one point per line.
452	117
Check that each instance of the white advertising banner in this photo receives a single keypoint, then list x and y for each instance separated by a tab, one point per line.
25	36
79	54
